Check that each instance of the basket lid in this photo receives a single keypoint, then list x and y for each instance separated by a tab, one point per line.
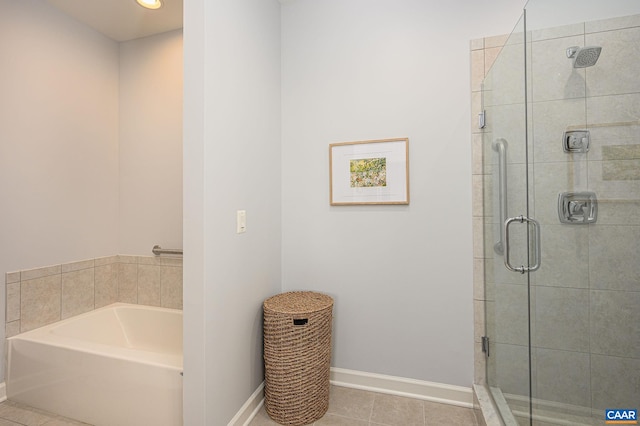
298	302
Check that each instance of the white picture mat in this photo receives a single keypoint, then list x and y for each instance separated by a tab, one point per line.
396	190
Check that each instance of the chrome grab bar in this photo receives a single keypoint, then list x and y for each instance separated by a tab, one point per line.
500	146
157	250
536	226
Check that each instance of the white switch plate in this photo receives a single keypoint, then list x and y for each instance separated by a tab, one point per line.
241	221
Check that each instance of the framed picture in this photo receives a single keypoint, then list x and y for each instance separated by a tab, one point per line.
369	172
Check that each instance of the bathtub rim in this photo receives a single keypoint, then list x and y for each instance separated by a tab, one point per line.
42	335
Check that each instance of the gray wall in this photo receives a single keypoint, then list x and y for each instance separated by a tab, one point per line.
232	162
150	143
58	143
401	276
350	71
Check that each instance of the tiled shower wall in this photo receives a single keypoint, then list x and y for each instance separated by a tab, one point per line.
37	297
483	54
584	298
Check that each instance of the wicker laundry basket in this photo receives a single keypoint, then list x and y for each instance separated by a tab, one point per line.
297	356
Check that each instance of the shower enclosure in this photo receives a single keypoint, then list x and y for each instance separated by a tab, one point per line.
560	142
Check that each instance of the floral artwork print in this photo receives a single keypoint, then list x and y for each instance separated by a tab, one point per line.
368	172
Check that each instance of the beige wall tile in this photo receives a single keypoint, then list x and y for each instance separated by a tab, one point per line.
509	315
123	258
615	323
128	283
476	107
561	319
550	120
477	69
12	277
12	328
148	260
78	289
563	377
495	41
107	260
490	56
477	154
612	24
479	320
478	279
480	364
149	285
46	271
557	32
611	381
478	237
613	255
489	277
621	152
565	257
171	279
51	293
621	170
40	301
509	367
106	284
616	70
553	77
13	302
171	261
476	44
478	197
76	266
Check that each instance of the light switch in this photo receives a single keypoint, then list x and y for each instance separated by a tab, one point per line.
241	221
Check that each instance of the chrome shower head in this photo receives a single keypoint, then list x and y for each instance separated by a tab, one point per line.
584	56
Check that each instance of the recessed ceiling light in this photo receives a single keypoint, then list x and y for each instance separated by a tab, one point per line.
150	4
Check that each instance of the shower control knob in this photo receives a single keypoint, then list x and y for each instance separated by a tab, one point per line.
576	141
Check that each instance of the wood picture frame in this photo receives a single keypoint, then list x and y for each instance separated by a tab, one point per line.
369	172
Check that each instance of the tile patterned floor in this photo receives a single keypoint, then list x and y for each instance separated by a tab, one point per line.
15	414
347	407
353	407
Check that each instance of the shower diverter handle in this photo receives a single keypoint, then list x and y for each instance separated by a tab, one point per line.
536	227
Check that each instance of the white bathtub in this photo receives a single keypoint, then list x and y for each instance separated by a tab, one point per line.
116	366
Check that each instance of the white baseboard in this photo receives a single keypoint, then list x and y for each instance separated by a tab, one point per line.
412	388
250	408
3	392
418	389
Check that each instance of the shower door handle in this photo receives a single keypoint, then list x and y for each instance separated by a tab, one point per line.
536	240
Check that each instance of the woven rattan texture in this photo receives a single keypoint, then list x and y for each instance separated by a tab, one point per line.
297	356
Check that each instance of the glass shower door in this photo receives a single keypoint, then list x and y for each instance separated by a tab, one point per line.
562	145
584	107
506	201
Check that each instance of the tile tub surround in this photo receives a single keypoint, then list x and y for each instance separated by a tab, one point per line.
36	297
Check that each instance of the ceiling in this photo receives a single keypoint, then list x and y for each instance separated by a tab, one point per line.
123	20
